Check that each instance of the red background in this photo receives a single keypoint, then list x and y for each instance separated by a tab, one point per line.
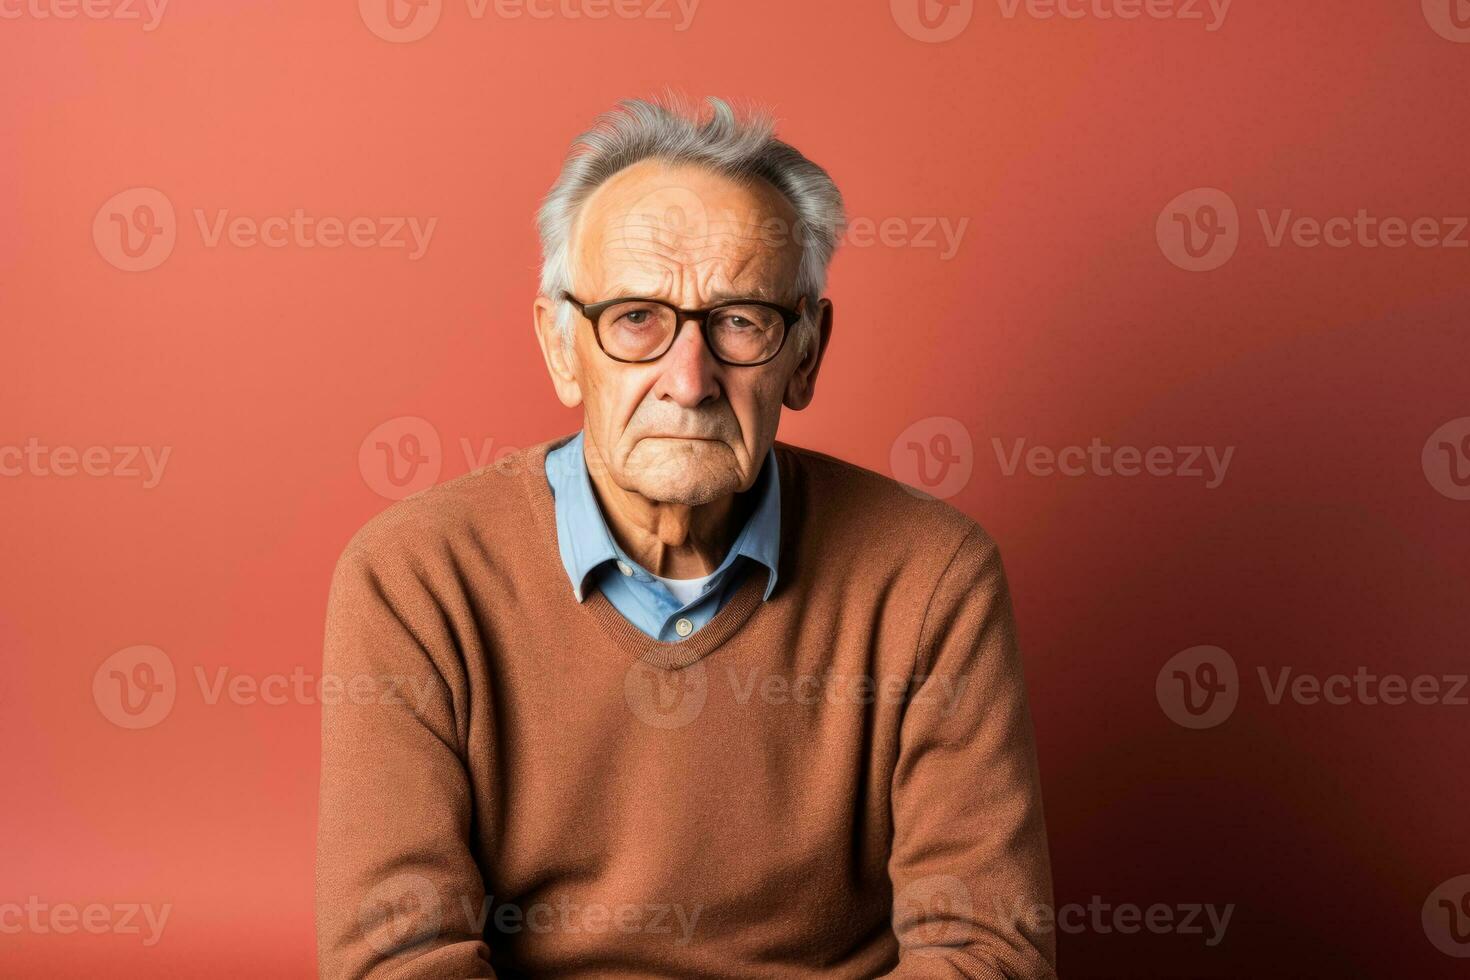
1326	548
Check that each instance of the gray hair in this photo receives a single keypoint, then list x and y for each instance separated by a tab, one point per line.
738	145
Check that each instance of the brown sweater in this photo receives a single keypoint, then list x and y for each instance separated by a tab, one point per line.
837	782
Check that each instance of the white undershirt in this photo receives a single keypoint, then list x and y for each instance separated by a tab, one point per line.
685	589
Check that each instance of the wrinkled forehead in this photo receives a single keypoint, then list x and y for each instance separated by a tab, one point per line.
685	233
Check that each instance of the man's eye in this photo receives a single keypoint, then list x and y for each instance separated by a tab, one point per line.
744	320
635	317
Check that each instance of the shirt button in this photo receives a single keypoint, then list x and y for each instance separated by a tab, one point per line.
683	627
624	568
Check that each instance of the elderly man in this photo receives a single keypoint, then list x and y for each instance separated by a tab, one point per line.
667	697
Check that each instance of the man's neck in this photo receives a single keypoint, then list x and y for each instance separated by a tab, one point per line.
670	539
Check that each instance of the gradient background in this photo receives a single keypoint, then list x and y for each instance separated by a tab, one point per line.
1331	544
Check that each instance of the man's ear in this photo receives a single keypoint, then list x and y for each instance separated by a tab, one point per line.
561	359
802	385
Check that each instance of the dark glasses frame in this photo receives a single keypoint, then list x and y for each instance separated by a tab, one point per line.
594	311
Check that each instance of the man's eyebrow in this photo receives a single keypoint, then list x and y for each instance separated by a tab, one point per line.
624	292
723	296
716	298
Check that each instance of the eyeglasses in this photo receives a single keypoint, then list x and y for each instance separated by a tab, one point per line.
636	330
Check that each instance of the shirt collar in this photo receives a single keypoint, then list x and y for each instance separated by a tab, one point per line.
585	542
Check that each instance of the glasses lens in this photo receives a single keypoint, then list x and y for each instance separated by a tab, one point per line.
746	334
635	330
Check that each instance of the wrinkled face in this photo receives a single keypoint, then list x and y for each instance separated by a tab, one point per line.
684	428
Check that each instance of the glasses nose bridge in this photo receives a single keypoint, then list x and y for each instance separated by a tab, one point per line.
700	318
684	316
701	362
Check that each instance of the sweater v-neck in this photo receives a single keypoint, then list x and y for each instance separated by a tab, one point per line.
623	634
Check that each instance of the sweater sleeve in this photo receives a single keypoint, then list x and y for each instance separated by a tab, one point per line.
398	892
969	863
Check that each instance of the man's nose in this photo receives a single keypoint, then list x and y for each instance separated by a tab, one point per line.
689	368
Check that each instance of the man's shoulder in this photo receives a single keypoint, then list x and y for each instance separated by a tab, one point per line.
487	509
845	498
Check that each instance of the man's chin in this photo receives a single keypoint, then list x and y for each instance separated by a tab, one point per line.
683	488
682	471
687	496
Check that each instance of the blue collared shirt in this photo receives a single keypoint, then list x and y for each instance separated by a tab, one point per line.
593	559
